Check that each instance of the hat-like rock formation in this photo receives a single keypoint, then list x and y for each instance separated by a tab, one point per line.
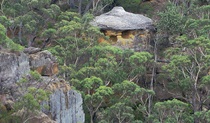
126	30
119	19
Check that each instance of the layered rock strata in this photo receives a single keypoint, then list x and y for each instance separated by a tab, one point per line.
126	30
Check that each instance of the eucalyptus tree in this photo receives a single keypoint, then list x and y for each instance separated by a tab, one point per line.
133	95
6	42
174	111
94	93
189	61
28	18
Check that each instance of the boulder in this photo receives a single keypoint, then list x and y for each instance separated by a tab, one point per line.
126	30
119	19
44	63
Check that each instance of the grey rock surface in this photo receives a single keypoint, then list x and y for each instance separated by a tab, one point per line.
66	107
42	58
12	67
44	62
119	19
31	50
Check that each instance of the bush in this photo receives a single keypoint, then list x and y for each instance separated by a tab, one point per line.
7	42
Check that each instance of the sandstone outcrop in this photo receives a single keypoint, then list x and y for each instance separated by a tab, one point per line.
119	19
126	30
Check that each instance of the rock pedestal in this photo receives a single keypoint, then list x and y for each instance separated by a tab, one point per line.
126	30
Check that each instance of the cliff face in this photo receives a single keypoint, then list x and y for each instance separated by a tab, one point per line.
66	107
12	67
65	104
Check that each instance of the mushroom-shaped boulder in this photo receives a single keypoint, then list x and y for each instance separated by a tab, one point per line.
119	19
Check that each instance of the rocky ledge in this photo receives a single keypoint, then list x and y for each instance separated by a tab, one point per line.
65	104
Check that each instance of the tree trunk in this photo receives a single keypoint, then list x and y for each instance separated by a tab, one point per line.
80	7
20	33
88	6
2	3
194	102
91	117
153	77
72	4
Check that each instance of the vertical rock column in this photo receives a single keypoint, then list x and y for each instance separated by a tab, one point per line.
66	107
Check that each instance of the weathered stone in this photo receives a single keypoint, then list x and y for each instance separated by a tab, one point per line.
44	63
119	19
65	107
126	30
31	50
12	68
34	117
41	118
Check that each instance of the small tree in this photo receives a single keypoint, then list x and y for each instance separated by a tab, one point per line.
172	111
6	42
94	94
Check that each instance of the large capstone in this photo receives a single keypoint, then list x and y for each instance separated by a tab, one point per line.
119	19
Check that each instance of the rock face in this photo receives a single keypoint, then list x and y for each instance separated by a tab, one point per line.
119	19
12	67
66	107
65	104
44	63
41	118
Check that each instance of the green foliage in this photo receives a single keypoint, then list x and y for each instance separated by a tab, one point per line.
172	111
189	60
130	5
140	58
114	82
5	21
205	81
91	83
118	112
35	76
203	116
94	94
30	97
6	42
138	62
171	22
30	101
132	95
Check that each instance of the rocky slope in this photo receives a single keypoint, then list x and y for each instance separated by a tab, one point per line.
65	104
